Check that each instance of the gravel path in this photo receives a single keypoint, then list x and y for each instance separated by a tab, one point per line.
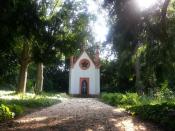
80	114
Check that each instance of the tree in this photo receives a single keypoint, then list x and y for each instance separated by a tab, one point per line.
17	17
26	10
7	56
140	40
62	34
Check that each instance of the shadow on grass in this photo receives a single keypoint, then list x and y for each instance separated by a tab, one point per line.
162	114
31	103
30	100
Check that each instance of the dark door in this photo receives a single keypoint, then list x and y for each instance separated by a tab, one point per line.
84	86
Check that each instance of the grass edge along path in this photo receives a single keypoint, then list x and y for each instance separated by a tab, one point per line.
160	111
14	105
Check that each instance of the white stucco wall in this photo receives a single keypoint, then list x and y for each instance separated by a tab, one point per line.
92	73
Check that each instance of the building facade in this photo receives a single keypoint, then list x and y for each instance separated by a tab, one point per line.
84	75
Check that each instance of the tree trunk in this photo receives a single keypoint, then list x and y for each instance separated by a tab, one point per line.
164	11
39	79
24	62
22	78
163	21
138	84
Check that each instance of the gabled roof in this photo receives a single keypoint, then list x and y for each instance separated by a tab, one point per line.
90	57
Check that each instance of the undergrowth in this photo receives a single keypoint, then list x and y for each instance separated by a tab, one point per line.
12	105
158	109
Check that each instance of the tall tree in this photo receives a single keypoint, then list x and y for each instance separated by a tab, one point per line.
27	16
135	35
63	32
19	21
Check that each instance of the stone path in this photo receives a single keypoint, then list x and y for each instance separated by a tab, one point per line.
80	114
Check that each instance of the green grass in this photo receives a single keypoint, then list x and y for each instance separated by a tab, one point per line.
18	103
159	109
31	100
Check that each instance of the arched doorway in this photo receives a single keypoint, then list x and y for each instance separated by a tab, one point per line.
84	86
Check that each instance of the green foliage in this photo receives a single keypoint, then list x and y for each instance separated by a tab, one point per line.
7	86
31	79
57	28
9	111
5	113
57	79
16	109
164	92
30	100
133	99
142	41
119	99
160	113
111	78
108	74
15	104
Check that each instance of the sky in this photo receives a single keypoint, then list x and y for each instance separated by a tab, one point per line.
99	27
146	4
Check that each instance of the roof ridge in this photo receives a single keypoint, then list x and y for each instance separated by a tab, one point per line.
91	58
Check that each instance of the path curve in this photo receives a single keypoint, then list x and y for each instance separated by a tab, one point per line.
80	114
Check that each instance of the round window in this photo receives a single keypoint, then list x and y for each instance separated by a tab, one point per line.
84	64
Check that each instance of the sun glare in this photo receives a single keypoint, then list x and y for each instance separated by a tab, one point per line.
145	4
99	27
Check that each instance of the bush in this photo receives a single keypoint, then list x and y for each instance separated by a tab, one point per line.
119	99
18	110
163	114
158	110
111	98
5	113
131	99
14	104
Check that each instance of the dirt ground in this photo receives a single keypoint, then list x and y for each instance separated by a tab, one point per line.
79	114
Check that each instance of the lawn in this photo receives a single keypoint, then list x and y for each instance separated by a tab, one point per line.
157	109
13	105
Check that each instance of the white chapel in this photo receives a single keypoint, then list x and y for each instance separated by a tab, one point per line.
84	75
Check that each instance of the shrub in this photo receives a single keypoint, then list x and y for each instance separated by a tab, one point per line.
156	109
5	113
131	99
163	114
14	104
164	92
18	110
112	98
120	99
